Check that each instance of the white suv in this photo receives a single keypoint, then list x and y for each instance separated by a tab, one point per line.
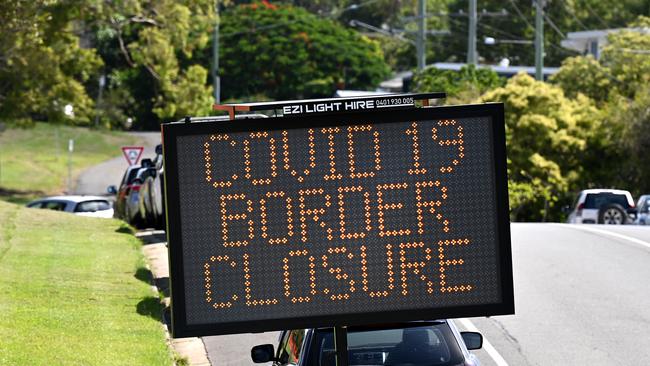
603	206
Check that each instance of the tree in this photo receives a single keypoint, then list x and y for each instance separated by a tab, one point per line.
42	66
584	74
566	16
628	57
285	52
461	86
548	136
618	82
149	49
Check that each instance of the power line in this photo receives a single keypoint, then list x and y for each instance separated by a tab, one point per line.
521	15
518	38
570	11
554	46
555	27
592	12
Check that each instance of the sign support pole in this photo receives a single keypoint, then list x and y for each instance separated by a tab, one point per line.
70	150
341	345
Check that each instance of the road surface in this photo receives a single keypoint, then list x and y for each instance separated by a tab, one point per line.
582	297
582	293
96	179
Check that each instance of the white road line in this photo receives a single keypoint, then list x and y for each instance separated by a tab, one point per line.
608	233
487	346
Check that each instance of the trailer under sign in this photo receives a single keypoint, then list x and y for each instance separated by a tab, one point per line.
342	219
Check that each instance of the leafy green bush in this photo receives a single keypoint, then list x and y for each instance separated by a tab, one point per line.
286	52
462	86
549	138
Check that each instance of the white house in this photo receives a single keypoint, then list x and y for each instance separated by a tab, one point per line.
588	42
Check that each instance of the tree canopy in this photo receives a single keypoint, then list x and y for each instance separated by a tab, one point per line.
547	137
282	51
461	86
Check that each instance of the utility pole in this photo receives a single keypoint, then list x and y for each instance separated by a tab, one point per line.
539	39
102	83
471	39
422	31
216	80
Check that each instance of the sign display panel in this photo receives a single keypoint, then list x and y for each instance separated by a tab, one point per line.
341	219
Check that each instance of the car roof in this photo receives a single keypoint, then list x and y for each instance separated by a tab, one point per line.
71	198
604	190
396	325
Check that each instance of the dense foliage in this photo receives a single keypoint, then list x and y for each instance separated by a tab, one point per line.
548	136
587	127
461	86
286	52
149	48
42	66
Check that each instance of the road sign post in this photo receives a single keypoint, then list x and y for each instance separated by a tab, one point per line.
70	151
132	154
342	212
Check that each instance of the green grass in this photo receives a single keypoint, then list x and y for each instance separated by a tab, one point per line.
34	161
69	294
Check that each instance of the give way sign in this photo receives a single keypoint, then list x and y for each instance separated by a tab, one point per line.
132	153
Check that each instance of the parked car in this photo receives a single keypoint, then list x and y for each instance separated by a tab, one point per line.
122	192
152	194
643	210
414	344
92	206
603	206
132	211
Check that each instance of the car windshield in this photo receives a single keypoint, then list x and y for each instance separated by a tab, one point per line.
596	200
131	175
426	345
54	205
92	206
643	203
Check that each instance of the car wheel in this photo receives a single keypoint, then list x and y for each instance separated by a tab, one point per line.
612	214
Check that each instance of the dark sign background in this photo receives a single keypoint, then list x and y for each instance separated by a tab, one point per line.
342	219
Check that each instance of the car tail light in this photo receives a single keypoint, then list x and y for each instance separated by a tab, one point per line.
579	209
135	187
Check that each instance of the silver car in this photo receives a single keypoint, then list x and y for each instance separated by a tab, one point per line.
643	207
92	206
423	343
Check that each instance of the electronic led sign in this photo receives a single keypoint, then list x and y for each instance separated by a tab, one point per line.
341	219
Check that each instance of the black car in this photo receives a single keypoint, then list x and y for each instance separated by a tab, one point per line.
426	343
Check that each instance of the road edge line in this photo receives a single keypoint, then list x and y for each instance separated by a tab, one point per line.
487	346
608	233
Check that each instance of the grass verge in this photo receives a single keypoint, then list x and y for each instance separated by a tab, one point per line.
34	161
69	294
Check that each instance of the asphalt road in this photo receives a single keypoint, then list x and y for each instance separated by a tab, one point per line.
582	293
582	297
96	179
